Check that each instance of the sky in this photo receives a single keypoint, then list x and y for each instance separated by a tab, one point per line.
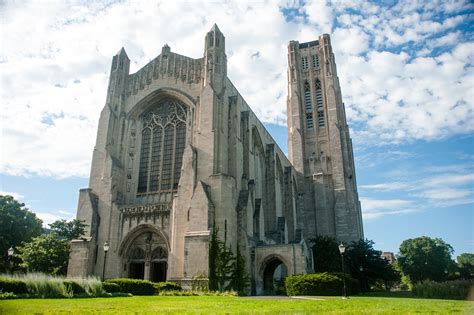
405	68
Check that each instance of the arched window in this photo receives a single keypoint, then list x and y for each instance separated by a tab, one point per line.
308	107
319	103
316	61
163	142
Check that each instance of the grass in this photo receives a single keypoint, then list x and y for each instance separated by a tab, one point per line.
233	305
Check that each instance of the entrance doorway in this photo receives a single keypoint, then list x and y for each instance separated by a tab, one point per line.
273	277
137	270
158	271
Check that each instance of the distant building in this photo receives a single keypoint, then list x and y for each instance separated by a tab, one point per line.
389	256
179	151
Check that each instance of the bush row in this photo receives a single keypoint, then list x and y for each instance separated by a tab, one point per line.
142	287
326	283
40	285
453	290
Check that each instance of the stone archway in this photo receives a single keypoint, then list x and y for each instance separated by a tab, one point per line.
145	254
273	275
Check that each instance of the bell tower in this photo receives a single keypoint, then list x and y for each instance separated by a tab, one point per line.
319	145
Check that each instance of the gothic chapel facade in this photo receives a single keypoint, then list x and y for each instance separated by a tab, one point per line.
179	151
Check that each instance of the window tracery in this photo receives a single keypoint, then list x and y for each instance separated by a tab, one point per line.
308	106
163	143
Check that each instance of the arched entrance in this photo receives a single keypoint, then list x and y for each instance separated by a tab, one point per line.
146	256
274	274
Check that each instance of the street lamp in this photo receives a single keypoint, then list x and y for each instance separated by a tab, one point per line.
10	253
106	249
342	249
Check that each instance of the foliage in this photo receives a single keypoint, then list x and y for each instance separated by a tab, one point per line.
166	286
200	282
134	286
465	263
365	264
325	283
18	225
9	284
213	257
425	258
226	270
362	261
326	254
68	230
42	285
74	286
45	286
111	287
198	293
239	279
453	290
7	295
45	253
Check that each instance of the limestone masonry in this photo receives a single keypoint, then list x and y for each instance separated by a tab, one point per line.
178	149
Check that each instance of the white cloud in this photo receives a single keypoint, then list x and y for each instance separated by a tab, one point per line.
54	71
15	195
376	208
48	217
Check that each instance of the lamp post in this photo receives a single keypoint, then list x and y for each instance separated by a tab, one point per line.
342	249
10	254
106	249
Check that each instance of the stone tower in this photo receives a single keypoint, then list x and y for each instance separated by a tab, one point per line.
319	145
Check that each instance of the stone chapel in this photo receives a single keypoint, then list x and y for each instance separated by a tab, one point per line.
179	151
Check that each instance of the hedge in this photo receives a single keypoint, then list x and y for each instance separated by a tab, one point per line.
325	283
134	286
166	286
75	287
111	287
453	290
13	285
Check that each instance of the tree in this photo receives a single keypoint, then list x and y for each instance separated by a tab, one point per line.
45	253
425	258
465	263
366	264
239	279
17	225
69	230
326	254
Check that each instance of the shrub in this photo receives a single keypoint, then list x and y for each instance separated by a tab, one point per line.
7	295
166	286
13	285
455	290
111	287
325	283
45	286
134	286
198	293
74	286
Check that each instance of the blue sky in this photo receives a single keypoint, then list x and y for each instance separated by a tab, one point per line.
405	67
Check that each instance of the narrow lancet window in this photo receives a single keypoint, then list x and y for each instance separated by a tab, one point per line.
316	61
320	104
308	106
304	63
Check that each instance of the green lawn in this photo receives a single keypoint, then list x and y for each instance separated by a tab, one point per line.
233	305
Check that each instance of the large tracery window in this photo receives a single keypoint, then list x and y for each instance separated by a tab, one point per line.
163	142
